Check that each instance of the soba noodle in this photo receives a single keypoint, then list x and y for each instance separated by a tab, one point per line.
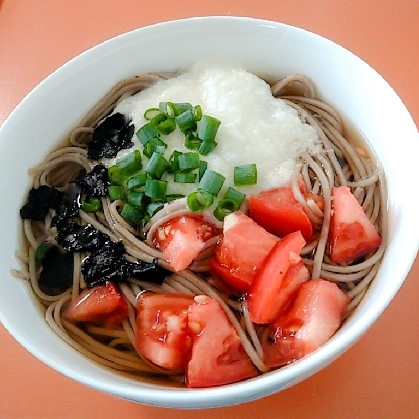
320	173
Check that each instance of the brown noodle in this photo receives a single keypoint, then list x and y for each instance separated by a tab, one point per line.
116	348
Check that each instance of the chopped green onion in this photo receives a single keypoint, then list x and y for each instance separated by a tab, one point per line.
185	177
173	162
136	198
173	197
186	120
245	175
156	189
201	168
168	108
129	164
225	207
136	181
131	214
211	182
42	251
235	195
156	165
197	113
116	193
154	207
199	200
90	204
181	107
208	128
114	176
206	147
149	114
188	161
192	142
146	132
164	123
154	145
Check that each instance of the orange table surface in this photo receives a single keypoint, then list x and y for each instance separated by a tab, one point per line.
379	376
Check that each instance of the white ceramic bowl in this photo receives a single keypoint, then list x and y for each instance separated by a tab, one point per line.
268	49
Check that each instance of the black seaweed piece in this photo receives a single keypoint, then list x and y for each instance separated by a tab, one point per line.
105	264
149	272
57	271
109	264
110	136
70	204
40	200
74	237
96	182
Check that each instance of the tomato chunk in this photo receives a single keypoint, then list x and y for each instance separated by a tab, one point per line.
240	253
162	334
280	276
280	213
102	305
218	357
314	317
352	234
182	238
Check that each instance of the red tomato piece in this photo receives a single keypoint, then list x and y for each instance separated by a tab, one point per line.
102	305
352	234
314	317
162	334
280	213
264	297
182	238
240	253
218	356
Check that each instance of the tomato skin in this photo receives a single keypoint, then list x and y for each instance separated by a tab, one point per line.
182	238
314	317
218	356
102	305
352	234
280	213
162	334
241	251
269	293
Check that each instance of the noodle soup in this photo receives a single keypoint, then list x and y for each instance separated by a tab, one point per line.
169	240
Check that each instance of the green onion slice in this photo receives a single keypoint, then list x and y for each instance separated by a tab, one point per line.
156	165
90	204
235	195
192	142
174	162
136	198
136	181
116	193
185	177
199	200
245	175
225	207
201	168
164	123
206	147
186	120
131	214
188	161
149	114
211	182
113	175
156	189
154	207
146	132
154	145
129	164
208	128
42	251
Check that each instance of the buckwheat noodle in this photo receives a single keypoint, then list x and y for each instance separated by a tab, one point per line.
341	163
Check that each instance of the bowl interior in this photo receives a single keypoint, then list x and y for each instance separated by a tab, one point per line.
268	49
